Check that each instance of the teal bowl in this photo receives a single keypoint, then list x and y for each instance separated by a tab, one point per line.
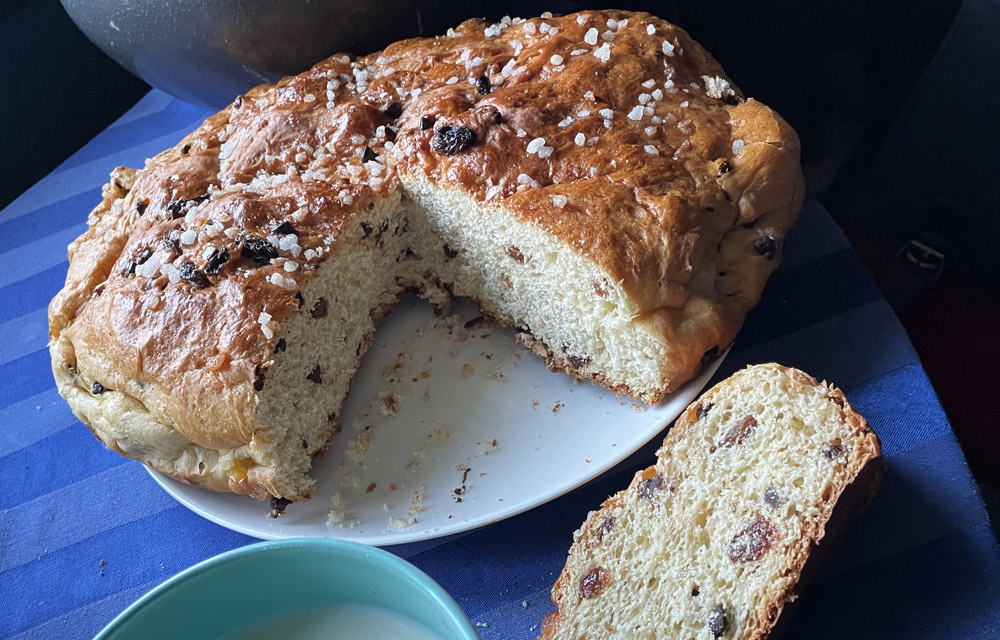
297	586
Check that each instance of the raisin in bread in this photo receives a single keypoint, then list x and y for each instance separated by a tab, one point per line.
711	541
613	197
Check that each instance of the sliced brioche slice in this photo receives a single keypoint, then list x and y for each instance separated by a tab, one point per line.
711	541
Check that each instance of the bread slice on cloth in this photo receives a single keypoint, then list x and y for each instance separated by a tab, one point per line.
711	541
594	180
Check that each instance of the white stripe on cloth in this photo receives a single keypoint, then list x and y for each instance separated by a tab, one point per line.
127	494
33	419
62	184
32	258
24	335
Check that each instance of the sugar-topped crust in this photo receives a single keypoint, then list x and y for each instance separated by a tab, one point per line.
612	131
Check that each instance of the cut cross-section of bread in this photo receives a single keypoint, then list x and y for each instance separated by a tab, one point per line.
614	197
711	541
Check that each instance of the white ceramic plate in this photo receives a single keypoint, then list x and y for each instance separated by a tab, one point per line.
475	412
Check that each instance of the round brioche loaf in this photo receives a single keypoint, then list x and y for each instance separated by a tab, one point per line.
594	180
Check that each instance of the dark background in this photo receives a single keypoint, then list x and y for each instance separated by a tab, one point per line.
896	104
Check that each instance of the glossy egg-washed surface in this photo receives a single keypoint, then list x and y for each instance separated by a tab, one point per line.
613	131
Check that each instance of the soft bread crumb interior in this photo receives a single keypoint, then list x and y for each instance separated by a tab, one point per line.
682	543
525	277
321	347
429	239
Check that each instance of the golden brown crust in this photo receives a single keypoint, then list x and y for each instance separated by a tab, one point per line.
851	493
654	208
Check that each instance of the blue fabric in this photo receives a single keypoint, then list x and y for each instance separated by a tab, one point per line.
920	563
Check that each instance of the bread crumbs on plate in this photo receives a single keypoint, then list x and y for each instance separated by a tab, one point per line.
489	447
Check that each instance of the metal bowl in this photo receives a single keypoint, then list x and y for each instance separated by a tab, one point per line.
209	51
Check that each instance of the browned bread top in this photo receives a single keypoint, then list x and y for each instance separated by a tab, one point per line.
614	131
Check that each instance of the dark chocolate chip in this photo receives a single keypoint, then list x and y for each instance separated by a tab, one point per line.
368	155
765	246
703	409
605	528
448	251
725	167
218	257
578	362
394	110
316	375
278	506
650	485
173	245
772	498
179	207
280	346
140	207
710	356
258	250
451	139
319	309
717	621
176	208
426	122
258	377
833	451
97	389
190	273
283	229
483	85
185	148
390	134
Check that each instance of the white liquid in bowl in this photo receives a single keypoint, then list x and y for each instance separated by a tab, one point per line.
345	622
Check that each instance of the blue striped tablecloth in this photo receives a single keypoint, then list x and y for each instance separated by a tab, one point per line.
921	563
